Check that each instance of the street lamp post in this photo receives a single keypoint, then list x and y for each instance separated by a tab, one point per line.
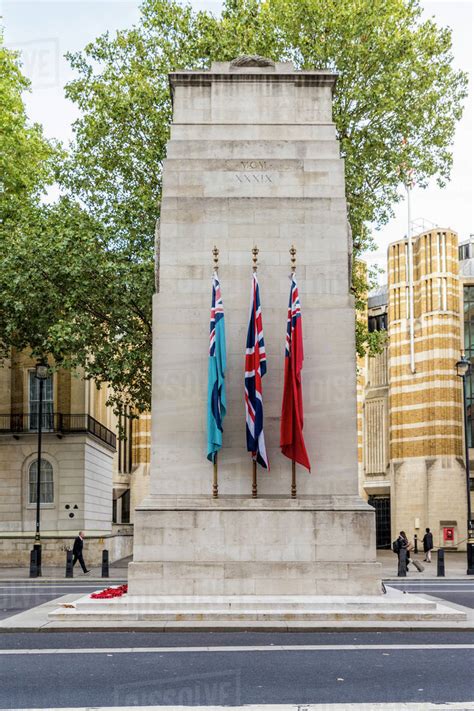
41	374
463	369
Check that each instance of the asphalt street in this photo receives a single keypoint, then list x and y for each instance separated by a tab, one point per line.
93	670
231	669
461	592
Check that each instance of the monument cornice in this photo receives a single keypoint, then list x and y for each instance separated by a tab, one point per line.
299	78
268	503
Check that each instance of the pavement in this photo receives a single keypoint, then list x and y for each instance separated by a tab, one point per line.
455	567
117	570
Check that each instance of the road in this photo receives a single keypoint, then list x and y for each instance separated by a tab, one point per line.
16	597
461	592
84	670
91	669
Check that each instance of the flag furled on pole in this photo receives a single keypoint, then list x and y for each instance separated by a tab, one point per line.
291	428
216	399
255	369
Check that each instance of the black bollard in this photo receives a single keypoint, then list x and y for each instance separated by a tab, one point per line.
105	564
33	563
37	547
402	563
69	568
440	562
416	543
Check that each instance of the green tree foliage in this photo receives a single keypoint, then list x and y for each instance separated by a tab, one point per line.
396	105
69	297
25	155
70	289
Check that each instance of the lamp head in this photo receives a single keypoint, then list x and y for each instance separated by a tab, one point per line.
41	370
463	367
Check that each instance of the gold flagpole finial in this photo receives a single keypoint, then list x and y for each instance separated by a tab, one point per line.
293	258
215	254
255	251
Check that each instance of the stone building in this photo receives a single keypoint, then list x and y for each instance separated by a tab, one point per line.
91	479
411	454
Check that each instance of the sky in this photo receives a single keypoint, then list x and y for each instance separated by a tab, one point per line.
44	30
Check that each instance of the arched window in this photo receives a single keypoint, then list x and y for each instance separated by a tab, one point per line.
46	483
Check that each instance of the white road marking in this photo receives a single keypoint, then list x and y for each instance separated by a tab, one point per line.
256	648
430	581
417	706
427	581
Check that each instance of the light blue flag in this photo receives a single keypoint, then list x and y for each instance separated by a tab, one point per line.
216	401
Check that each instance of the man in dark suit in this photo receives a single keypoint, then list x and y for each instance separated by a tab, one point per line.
77	552
428	545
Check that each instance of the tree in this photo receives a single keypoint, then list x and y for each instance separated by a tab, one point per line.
70	290
396	83
66	295
26	157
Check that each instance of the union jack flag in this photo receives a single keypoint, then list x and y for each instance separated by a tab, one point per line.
255	369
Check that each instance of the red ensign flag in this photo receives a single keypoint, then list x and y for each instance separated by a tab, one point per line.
291	428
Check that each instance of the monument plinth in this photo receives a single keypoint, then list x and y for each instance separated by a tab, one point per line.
253	160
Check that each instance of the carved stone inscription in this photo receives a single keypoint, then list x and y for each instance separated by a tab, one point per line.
253	171
253	178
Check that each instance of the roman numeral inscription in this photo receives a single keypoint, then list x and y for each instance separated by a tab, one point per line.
254	165
251	171
253	178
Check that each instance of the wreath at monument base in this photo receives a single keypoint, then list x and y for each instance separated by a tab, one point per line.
109	593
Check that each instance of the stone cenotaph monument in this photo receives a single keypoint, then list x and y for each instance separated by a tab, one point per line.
253	160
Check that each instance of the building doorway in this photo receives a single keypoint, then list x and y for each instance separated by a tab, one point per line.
381	505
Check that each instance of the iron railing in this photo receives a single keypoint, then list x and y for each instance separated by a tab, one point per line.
57	422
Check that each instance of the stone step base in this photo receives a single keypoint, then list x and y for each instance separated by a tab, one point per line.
287	604
393	607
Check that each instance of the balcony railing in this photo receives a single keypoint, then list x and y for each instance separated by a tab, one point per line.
57	422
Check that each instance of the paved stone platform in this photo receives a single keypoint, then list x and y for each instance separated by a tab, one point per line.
223	612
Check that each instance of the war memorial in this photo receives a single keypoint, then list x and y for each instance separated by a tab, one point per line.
253	161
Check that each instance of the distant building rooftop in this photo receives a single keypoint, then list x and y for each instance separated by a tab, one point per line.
378	297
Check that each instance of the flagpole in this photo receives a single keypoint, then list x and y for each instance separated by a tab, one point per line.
215	485
254	460
293	463
215	482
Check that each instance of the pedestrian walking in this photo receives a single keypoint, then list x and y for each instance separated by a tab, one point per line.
404	544
427	545
77	552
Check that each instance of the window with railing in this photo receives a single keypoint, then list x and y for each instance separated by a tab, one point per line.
47	405
57	422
